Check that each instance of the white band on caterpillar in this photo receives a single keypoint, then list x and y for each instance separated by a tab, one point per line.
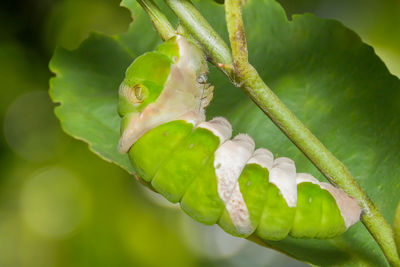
348	206
220	127
192	117
283	175
306	178
230	159
262	157
238	212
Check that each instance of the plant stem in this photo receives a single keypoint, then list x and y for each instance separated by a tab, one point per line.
321	157
216	49
249	80
159	20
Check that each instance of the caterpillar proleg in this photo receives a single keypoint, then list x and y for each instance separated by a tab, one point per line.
216	178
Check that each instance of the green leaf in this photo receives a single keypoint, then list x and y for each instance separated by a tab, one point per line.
86	86
331	80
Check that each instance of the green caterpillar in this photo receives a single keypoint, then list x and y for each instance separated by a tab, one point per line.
216	179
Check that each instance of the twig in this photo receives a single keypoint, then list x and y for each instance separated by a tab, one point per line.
215	48
159	20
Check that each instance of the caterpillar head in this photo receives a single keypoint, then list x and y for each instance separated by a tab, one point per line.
160	86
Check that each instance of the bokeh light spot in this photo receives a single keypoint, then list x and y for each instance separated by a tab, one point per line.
54	202
30	127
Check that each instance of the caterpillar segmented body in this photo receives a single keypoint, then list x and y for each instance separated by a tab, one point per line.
215	178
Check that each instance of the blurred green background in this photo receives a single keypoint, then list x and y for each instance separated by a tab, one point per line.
60	204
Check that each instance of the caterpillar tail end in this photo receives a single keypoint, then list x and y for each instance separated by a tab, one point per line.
348	206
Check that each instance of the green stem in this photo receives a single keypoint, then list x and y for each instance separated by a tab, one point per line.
245	75
216	49
298	133
160	21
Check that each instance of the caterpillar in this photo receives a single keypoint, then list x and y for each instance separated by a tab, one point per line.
216	179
